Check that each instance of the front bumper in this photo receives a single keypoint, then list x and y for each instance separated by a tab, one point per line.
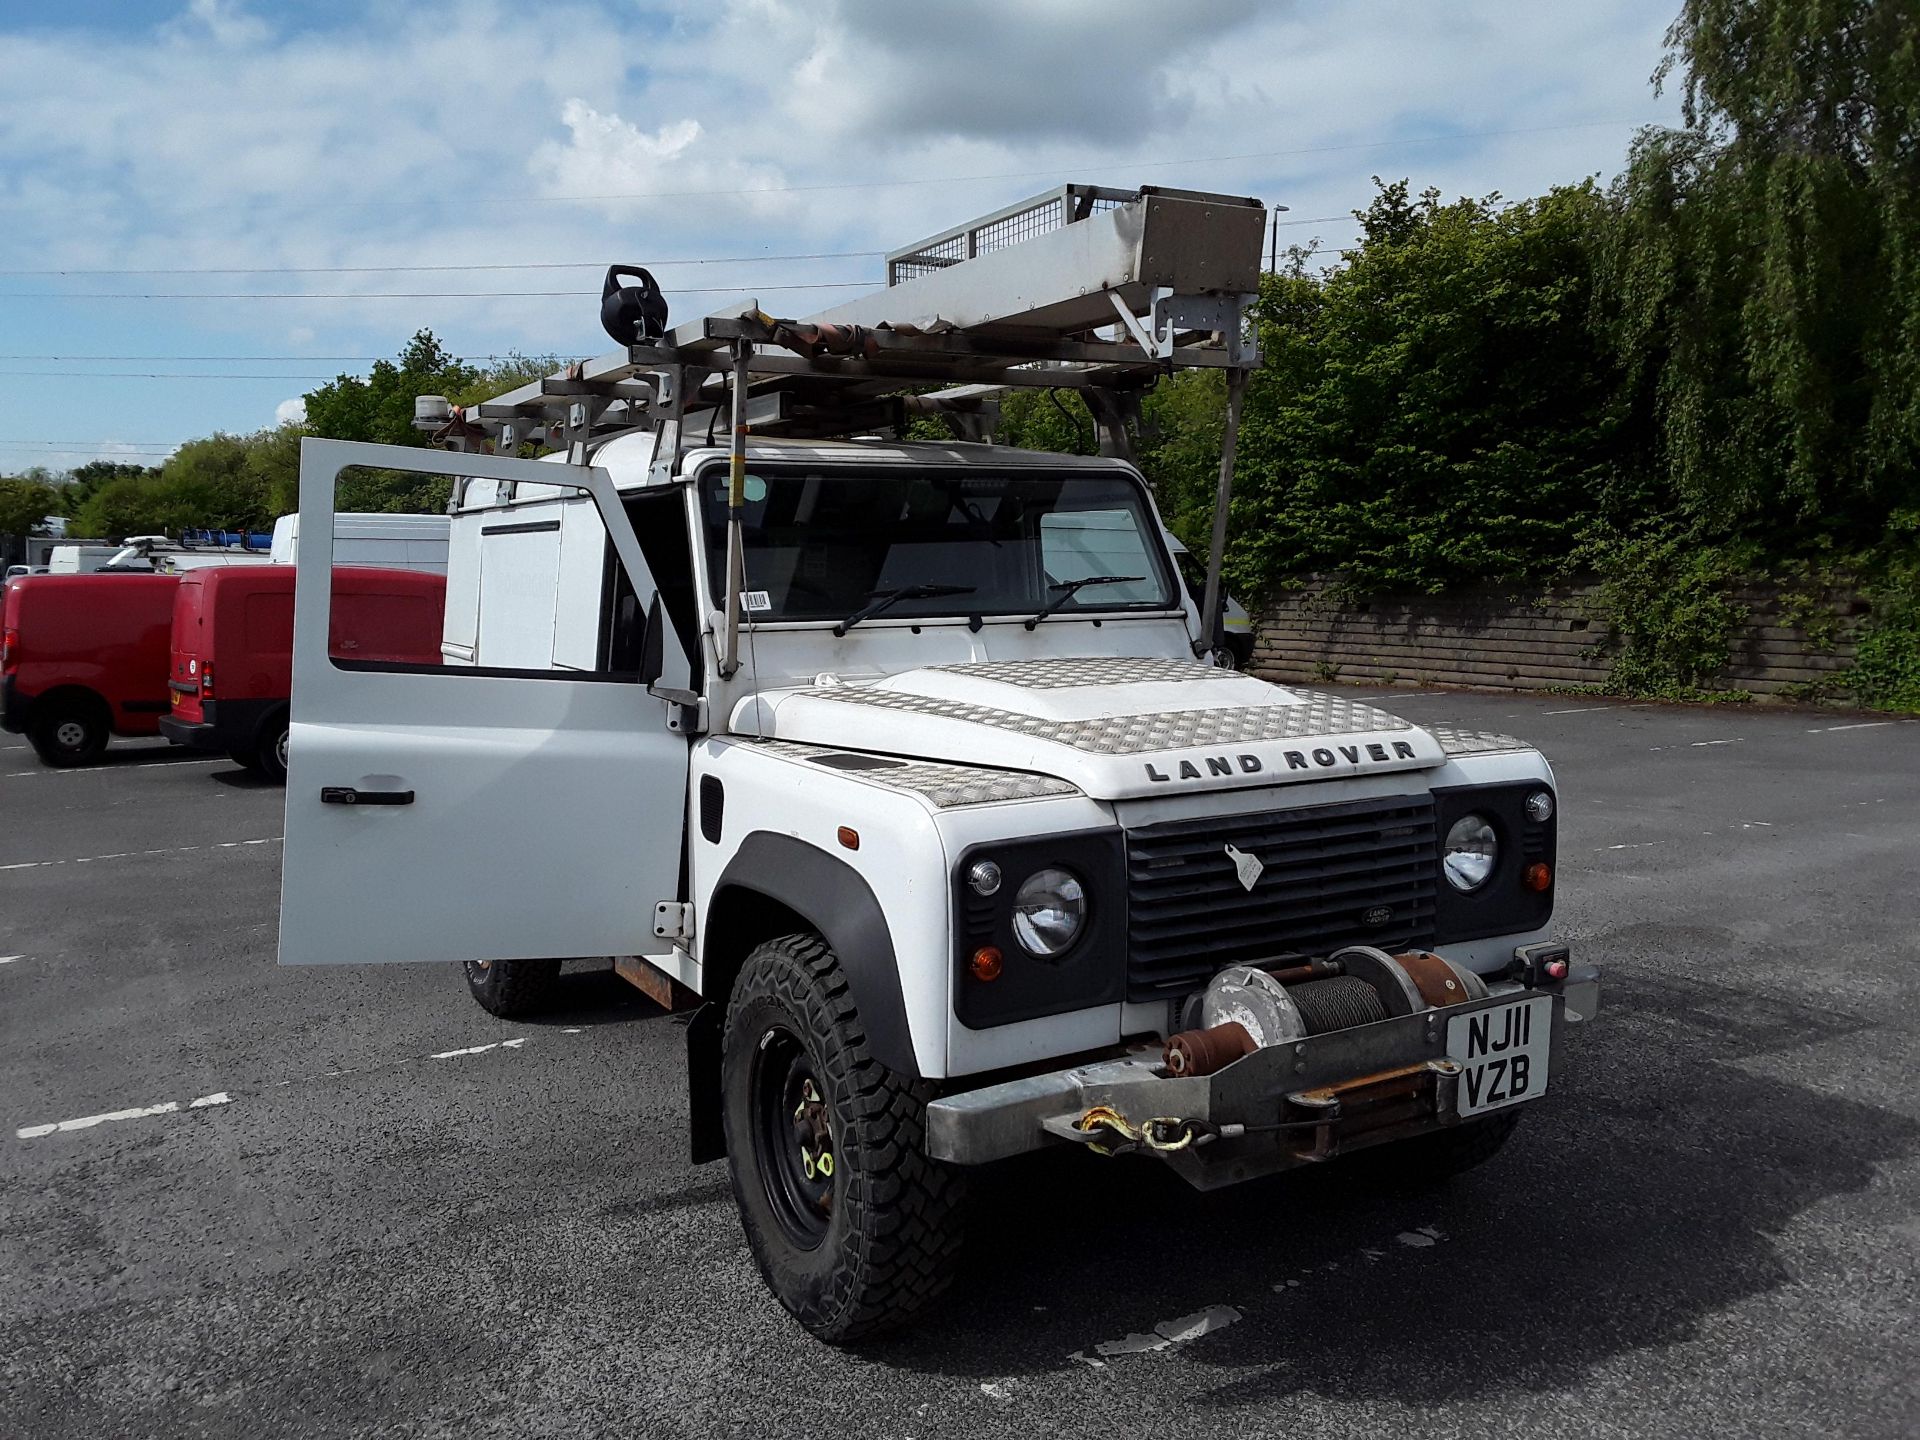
1299	1103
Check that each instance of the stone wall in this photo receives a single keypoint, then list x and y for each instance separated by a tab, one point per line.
1497	639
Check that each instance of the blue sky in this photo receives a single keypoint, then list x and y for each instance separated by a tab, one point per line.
319	151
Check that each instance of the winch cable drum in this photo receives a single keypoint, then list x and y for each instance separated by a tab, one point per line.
632	314
1337	1003
1245	1008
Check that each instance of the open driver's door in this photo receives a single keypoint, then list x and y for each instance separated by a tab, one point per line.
462	810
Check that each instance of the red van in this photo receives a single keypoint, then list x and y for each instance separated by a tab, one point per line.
231	667
83	657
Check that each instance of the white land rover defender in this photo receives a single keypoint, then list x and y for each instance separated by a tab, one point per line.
909	768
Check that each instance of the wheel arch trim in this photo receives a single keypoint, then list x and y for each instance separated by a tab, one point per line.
836	900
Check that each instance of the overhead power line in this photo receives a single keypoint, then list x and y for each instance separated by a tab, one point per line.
494	265
433	269
147	375
742	289
259	359
111	447
1051	172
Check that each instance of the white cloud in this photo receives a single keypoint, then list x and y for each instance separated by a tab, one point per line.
608	155
1121	70
291	412
446	133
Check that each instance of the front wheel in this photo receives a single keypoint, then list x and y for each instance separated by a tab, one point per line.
854	1228
69	735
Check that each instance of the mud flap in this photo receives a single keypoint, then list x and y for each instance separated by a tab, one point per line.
707	1137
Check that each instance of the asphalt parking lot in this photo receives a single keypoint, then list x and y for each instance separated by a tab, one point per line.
347	1201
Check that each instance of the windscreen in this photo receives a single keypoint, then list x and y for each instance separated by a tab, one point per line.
821	544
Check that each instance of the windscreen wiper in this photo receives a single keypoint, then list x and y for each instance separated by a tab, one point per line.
881	599
1070	588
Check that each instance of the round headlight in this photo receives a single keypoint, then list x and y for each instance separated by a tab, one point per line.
1540	806
1471	852
1049	911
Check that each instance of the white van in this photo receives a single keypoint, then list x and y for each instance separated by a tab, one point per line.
85	559
399	542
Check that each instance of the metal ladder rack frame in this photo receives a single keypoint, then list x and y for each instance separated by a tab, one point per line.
1083	287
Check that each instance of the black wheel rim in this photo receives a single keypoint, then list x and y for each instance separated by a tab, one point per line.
792	1138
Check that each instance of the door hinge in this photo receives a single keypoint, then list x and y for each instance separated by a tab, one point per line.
686	709
673	920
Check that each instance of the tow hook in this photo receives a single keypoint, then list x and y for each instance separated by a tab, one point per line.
1105	1131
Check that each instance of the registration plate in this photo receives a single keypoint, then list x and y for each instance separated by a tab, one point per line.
1502	1053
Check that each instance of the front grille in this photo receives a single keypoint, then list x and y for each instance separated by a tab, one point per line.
1330	871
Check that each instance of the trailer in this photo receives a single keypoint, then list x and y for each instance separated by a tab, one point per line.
909	768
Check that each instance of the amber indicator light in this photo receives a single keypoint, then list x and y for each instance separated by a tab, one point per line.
849	837
985	963
1537	876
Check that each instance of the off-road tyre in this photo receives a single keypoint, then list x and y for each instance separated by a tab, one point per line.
512	989
889	1226
270	750
1438	1157
66	733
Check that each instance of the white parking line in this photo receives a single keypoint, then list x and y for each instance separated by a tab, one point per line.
1583	710
223	1097
1861	725
9	959
113	769
137	854
87	1122
479	1049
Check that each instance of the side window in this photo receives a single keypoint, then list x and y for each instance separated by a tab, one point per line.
526	582
1077	543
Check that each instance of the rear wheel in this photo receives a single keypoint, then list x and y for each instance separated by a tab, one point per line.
853	1227
271	751
246	756
512	988
67	733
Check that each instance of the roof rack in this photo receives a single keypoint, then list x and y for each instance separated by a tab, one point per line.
1084	287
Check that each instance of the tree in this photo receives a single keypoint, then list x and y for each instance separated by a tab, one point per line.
1764	276
24	503
221	482
380	407
1438	409
86	479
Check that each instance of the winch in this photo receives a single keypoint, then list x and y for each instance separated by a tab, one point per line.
1246	1007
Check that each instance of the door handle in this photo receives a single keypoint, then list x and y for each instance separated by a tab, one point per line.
347	795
